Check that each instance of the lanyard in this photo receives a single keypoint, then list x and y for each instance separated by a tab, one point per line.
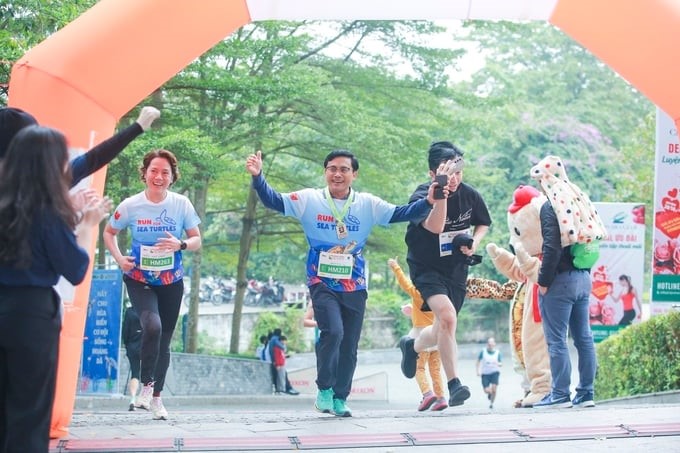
339	216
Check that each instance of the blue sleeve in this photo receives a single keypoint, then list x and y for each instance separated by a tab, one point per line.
269	197
64	254
276	343
481	353
412	211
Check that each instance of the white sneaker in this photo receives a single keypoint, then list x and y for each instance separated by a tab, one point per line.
144	399
157	409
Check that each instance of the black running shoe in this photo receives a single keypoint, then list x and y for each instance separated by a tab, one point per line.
409	356
458	395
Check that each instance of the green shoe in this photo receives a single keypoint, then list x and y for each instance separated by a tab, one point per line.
324	401
340	408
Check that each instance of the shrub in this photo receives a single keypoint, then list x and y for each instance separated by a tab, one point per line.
388	303
290	324
642	358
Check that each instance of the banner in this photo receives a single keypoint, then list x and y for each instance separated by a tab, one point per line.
101	344
665	291
618	274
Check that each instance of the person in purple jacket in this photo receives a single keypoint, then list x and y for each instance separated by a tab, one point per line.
41	239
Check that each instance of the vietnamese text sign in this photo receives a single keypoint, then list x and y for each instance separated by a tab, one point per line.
101	344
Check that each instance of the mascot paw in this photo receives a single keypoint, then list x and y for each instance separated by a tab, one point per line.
502	259
532	398
492	250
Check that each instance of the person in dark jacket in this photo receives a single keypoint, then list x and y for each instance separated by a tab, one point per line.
563	302
132	339
38	245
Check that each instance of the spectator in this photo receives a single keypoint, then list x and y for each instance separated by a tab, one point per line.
279	361
38	245
274	341
564	290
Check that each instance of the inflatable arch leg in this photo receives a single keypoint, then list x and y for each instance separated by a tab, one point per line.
90	73
84	79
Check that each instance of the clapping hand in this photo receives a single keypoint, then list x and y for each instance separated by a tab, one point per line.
95	210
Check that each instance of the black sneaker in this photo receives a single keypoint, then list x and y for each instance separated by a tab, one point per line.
458	394
409	356
292	392
584	400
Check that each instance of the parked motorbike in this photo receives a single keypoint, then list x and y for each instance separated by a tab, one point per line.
272	294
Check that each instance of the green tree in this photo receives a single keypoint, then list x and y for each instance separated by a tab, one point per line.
26	23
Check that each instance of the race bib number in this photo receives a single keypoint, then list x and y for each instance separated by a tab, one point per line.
151	259
335	265
446	241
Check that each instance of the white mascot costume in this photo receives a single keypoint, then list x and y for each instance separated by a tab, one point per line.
530	351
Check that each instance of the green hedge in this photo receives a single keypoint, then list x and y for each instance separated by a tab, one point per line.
642	358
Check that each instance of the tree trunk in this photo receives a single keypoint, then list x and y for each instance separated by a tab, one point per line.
241	268
191	345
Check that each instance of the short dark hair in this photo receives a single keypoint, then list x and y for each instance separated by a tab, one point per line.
342	153
441	152
163	154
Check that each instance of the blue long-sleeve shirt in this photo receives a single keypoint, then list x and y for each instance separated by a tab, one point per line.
54	252
319	222
273	200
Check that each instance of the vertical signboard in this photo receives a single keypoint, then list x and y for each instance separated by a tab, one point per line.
613	305
101	345
666	235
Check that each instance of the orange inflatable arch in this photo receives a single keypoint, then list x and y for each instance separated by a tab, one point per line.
84	78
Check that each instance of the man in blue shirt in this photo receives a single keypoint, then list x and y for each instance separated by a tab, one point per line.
337	221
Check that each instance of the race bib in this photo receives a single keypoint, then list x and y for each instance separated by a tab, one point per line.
446	241
150	259
335	265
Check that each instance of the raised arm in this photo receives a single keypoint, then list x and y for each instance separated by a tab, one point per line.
88	163
269	197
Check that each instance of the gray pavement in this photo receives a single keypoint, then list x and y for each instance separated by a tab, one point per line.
283	423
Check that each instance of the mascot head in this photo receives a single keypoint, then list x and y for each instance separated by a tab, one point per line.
524	221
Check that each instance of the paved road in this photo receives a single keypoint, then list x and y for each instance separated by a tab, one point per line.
288	423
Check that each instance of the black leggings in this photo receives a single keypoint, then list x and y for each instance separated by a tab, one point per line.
30	322
158	309
627	318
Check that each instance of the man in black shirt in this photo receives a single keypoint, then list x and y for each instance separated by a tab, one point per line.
441	247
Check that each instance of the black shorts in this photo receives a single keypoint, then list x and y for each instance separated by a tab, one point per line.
433	283
488	379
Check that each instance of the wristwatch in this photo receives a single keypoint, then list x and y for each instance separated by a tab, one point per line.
182	245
